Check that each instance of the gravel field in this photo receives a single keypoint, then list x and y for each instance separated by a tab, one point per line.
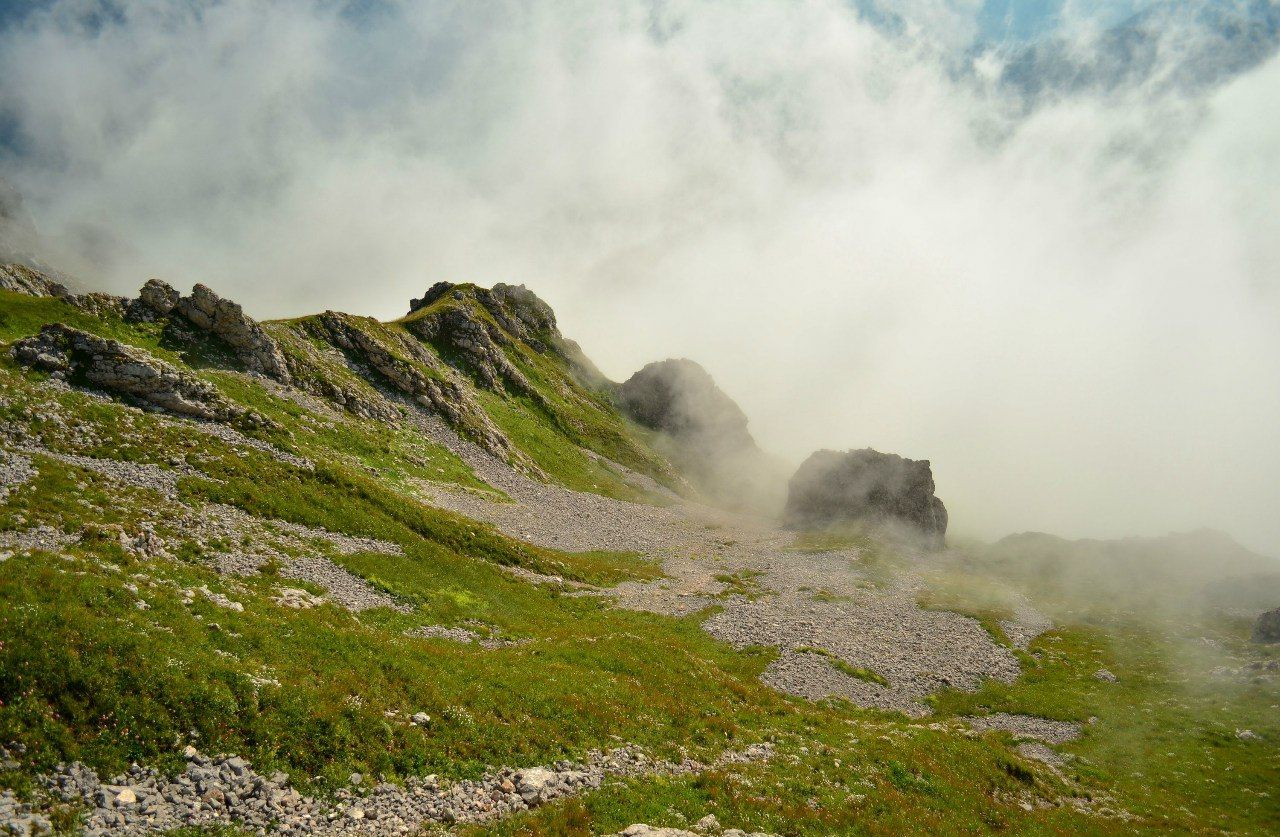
827	612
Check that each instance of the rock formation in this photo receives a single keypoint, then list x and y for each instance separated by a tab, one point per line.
866	485
23	280
221	318
472	336
1267	628
439	392
703	430
126	371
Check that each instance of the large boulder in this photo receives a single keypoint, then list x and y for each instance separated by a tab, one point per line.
860	486
1267	628
127	371
211	314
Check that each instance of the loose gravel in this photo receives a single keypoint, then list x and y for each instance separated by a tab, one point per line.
16	471
1027	726
228	791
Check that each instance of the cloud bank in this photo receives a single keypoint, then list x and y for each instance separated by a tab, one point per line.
868	233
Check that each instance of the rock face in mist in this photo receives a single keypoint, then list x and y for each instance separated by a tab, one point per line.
1267	628
17	232
679	397
125	370
866	486
703	430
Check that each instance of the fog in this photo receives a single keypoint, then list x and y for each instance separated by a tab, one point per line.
867	228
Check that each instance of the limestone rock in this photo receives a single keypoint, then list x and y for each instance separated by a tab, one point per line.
211	314
127	371
21	279
1267	628
159	297
440	392
474	325
866	486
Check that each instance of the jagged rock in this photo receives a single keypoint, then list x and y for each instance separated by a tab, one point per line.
222	318
704	431
516	308
22	279
159	297
1267	628
438	393
127	371
474	342
227	320
866	485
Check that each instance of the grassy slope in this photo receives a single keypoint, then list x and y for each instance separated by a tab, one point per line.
85	674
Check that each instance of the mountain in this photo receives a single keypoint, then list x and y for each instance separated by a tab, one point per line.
331	575
704	431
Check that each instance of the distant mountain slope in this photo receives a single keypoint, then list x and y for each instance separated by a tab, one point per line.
1203	564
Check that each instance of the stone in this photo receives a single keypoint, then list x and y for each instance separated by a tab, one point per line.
127	371
126	796
707	823
420	718
1267	628
227	320
857	486
1105	676
23	280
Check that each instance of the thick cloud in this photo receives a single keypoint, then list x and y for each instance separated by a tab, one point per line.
868	234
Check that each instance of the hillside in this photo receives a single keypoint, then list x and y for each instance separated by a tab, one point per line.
335	575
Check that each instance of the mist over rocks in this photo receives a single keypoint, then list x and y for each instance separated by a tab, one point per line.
866	486
703	430
1267	628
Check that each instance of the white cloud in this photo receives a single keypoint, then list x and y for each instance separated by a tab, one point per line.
1072	313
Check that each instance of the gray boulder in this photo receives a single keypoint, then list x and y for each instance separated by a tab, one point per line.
866	486
128	371
1267	628
222	318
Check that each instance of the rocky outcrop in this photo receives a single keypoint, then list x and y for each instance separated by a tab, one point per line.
126	371
438	392
23	280
516	308
866	486
473	327
679	397
1267	628
211	314
703	431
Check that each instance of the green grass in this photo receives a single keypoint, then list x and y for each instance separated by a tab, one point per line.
742	583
